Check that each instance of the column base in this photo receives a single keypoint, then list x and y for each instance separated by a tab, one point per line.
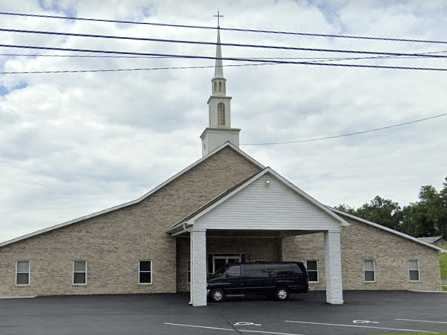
335	301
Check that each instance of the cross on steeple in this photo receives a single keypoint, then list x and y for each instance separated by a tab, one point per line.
218	18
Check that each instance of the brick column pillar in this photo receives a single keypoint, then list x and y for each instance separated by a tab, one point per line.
198	268
334	280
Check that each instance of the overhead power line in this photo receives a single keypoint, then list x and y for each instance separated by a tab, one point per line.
237	59
170	67
239	45
352	133
133	69
250	30
332	59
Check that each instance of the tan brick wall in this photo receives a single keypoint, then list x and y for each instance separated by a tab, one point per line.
113	243
360	241
254	248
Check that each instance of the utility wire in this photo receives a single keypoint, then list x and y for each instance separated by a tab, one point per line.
239	45
5	54
168	67
264	31
273	61
353	133
132	69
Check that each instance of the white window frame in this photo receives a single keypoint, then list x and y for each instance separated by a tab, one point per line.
374	270
86	272
419	270
139	271
317	271
238	258
29	272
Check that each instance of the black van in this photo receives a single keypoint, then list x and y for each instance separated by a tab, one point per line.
275	280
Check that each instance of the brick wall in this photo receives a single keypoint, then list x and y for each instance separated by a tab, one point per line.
113	243
359	242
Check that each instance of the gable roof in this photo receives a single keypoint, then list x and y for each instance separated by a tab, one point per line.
389	230
182	224
136	201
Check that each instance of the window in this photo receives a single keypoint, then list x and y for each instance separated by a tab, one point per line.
312	270
145	272
221	114
215	87
233	271
255	271
284	270
220	86
369	268
23	273
79	272
413	270
221	261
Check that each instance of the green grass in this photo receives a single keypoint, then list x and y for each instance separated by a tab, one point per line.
412	334
444	288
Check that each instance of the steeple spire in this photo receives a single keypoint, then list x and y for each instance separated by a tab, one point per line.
218	69
219	129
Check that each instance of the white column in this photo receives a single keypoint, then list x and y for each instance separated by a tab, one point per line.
198	268
334	280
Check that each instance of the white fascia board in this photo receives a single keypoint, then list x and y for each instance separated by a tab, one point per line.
190	222
133	202
281	179
309	198
389	230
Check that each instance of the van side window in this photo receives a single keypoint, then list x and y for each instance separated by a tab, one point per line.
285	270
255	270
234	271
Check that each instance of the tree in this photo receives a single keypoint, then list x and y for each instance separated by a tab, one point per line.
426	217
346	208
443	216
383	211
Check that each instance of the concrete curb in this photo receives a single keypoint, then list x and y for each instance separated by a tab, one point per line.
18	297
422	291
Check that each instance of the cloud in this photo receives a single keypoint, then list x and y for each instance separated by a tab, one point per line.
71	144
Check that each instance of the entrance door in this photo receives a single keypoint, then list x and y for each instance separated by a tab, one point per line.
220	261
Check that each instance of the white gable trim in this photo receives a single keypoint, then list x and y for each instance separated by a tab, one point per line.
133	202
313	201
389	230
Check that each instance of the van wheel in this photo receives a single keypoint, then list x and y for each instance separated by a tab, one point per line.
281	294
217	295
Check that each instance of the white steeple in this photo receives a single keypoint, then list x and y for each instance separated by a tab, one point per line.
218	69
219	128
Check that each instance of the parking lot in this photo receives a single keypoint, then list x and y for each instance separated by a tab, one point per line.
363	313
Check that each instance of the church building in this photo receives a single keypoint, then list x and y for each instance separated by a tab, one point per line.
224	208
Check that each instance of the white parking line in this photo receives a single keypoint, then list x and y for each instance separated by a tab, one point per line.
424	321
229	329
197	326
357	326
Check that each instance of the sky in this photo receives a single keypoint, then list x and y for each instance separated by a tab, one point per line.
73	144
